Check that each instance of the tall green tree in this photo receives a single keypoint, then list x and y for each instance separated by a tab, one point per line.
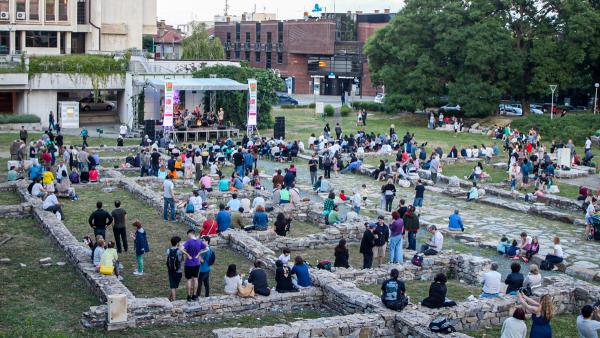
200	46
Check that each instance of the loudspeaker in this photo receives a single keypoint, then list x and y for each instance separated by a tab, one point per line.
279	127
150	129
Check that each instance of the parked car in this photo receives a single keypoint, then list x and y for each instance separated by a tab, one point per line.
286	99
450	108
91	103
536	109
379	98
510	109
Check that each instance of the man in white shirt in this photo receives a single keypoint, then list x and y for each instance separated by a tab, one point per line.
234	203
586	326
435	244
491	282
588	144
51	204
258	200
123	130
434	168
37	190
589	212
169	199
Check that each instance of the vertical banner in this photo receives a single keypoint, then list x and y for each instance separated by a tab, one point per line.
168	114
252	102
316	86
69	114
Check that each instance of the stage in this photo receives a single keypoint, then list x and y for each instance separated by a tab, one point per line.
203	134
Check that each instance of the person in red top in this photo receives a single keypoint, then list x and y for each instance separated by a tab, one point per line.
529	148
209	227
46	157
343	196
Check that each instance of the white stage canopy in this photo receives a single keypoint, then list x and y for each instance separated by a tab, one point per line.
200	84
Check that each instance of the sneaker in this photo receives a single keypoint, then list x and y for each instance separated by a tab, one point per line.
138	273
189	298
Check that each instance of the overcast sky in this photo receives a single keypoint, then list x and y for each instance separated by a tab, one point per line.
182	11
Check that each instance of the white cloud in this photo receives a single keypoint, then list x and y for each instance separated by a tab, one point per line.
181	11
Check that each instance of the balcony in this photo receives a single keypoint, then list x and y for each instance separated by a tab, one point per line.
238	46
257	47
247	46
280	47
228	46
268	47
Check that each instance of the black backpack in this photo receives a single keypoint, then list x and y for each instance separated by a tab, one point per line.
547	266
173	262
417	260
212	258
441	325
327	161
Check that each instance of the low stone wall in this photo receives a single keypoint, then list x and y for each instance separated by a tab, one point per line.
22	210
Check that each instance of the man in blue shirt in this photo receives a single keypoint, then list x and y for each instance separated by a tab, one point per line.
223	219
204	274
456	223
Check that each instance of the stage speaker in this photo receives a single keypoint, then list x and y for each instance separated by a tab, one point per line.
279	127
150	129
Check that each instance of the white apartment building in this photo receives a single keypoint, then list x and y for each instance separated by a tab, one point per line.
52	27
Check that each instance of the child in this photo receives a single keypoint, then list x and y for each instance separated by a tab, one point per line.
503	245
141	246
285	256
534	248
513	250
343	196
513	183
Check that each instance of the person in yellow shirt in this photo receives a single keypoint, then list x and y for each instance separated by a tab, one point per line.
47	177
110	259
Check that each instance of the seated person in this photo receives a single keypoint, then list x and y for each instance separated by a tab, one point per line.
437	294
300	269
258	277
334	216
109	261
97	252
534	278
37	190
51	204
473	193
514	280
94	174
491	282
435	244
260	220
232	280
513	249
455	222
162	172
503	246
283	278
533	249
392	292
223	184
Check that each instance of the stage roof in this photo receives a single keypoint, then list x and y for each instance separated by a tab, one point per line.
201	84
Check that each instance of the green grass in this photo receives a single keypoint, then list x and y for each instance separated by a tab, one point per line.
461	170
567	190
563	326
419	290
313	255
9	198
155	281
299	229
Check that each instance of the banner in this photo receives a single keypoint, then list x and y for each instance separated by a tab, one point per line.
252	102
168	113
69	114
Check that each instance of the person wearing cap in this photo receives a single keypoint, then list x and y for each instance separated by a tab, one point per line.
383	234
435	244
366	245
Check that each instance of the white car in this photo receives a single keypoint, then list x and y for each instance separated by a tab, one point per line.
537	109
379	98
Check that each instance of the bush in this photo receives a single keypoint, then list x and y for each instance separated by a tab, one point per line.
345	110
328	109
370	106
77	64
26	118
311	106
294	106
572	126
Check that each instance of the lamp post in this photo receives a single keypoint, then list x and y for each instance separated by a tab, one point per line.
596	98
553	89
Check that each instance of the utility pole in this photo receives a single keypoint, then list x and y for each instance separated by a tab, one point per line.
552	89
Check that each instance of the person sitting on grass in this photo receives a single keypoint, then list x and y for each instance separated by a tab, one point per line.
94	175
586	325
334	216
534	248
515	326
503	245
513	250
97	252
392	292
514	280
437	294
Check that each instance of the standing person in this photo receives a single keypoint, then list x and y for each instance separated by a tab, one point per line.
586	326
175	261
140	242
238	161
434	168
541	314
389	192
119	216
204	271
411	226
192	249
419	194
366	245
169	198
154	161
589	213
396	234
84	137
99	220
313	166
338	131
23	134
357	201
364	117
515	327
146	163
327	164
51	121
341	255
382	233
392	290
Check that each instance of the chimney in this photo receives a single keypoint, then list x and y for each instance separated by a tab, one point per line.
386	11
376	11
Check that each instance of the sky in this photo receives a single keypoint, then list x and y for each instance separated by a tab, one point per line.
182	11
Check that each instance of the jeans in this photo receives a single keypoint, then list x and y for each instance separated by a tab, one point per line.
388	202
313	177
140	263
418	202
143	170
412	241
198	171
240	170
554	259
169	206
203	278
356	210
85	144
327	173
120	235
100	231
154	169
56	208
367	260
396	253
434	177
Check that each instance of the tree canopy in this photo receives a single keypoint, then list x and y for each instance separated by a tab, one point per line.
477	52
200	46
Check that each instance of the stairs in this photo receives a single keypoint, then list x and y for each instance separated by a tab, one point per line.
98	117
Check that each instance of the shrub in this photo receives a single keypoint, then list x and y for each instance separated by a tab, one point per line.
328	109
572	126
345	110
25	118
370	106
311	106
77	64
294	106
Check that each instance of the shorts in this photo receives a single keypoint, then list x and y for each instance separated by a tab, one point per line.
418	202
379	251
174	279
192	271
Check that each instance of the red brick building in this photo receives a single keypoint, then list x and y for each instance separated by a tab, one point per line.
328	50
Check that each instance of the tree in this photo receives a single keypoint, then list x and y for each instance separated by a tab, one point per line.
234	103
201	46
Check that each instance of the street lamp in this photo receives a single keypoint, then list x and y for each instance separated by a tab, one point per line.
596	98
553	89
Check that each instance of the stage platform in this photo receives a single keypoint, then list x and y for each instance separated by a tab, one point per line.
204	134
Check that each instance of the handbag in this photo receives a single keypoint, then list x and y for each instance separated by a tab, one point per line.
246	291
106	270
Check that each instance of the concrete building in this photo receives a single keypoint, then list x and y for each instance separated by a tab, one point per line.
327	51
52	27
167	42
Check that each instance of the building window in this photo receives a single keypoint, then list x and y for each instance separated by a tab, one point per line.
258	29
237	54
268	59
269	37
248	37
257	56
20	6
280	58
50	10
228	55
4	6
228	36
81	11
280	32
237	32
41	39
63	10
247	56
4	42
34	10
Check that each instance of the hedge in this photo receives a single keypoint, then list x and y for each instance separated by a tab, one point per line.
328	110
575	126
77	64
11	118
294	106
370	106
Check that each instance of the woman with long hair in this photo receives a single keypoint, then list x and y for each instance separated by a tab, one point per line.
282	224
541	315
341	255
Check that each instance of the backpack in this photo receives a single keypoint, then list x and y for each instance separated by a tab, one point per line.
441	325
173	262
417	260
189	209
212	258
327	161
324	265
547	266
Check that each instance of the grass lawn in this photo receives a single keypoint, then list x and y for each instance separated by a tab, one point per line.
9	198
419	290
563	326
94	141
155	282
313	255
461	170
299	229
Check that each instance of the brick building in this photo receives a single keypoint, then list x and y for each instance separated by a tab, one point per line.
328	50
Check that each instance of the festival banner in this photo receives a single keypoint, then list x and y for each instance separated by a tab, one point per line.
168	113
252	102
